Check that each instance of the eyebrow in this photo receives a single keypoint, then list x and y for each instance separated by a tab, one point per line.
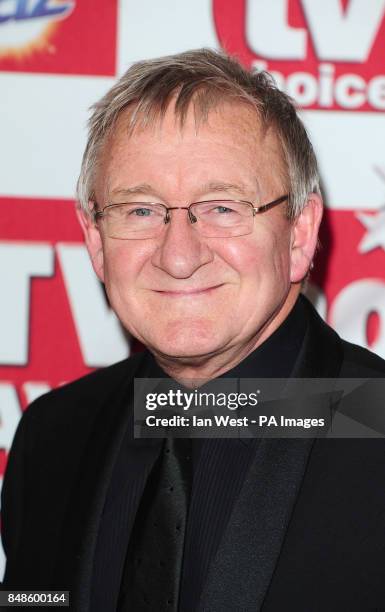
141	189
213	186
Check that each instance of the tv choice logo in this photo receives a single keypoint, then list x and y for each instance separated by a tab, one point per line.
325	55
48	284
348	91
50	335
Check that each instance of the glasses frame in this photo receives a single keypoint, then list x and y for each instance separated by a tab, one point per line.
99	214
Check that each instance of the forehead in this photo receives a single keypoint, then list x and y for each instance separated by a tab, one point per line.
230	140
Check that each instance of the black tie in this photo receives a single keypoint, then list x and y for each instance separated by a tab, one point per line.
153	566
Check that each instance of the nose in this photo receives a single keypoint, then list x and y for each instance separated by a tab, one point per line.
181	250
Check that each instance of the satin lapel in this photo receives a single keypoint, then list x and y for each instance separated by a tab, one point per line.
79	537
249	550
243	567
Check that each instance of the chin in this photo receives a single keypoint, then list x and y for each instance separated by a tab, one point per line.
184	340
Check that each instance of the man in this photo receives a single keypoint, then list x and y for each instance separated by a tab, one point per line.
200	203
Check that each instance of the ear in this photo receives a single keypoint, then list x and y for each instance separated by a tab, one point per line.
304	237
93	241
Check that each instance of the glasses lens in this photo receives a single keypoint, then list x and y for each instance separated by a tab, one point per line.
223	218
134	220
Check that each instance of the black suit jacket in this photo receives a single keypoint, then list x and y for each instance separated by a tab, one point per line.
306	532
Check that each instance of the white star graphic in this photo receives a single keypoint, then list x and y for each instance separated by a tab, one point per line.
375	236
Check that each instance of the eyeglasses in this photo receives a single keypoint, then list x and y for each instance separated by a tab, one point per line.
212	218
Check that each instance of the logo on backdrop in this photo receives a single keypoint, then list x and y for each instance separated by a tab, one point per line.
58	36
326	55
375	226
26	27
49	334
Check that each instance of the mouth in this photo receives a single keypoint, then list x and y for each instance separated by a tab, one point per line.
188	292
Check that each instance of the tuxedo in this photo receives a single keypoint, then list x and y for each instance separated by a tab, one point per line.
305	531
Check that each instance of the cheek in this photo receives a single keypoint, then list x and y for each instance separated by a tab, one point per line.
258	258
123	262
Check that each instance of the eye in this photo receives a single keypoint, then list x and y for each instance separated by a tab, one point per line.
141	212
223	209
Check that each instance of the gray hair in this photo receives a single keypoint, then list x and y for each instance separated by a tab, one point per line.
204	78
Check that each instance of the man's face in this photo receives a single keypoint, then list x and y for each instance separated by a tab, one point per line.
181	294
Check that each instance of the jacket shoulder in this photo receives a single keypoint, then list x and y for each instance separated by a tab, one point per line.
83	396
360	362
335	357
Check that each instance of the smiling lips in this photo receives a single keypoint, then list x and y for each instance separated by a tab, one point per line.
188	292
